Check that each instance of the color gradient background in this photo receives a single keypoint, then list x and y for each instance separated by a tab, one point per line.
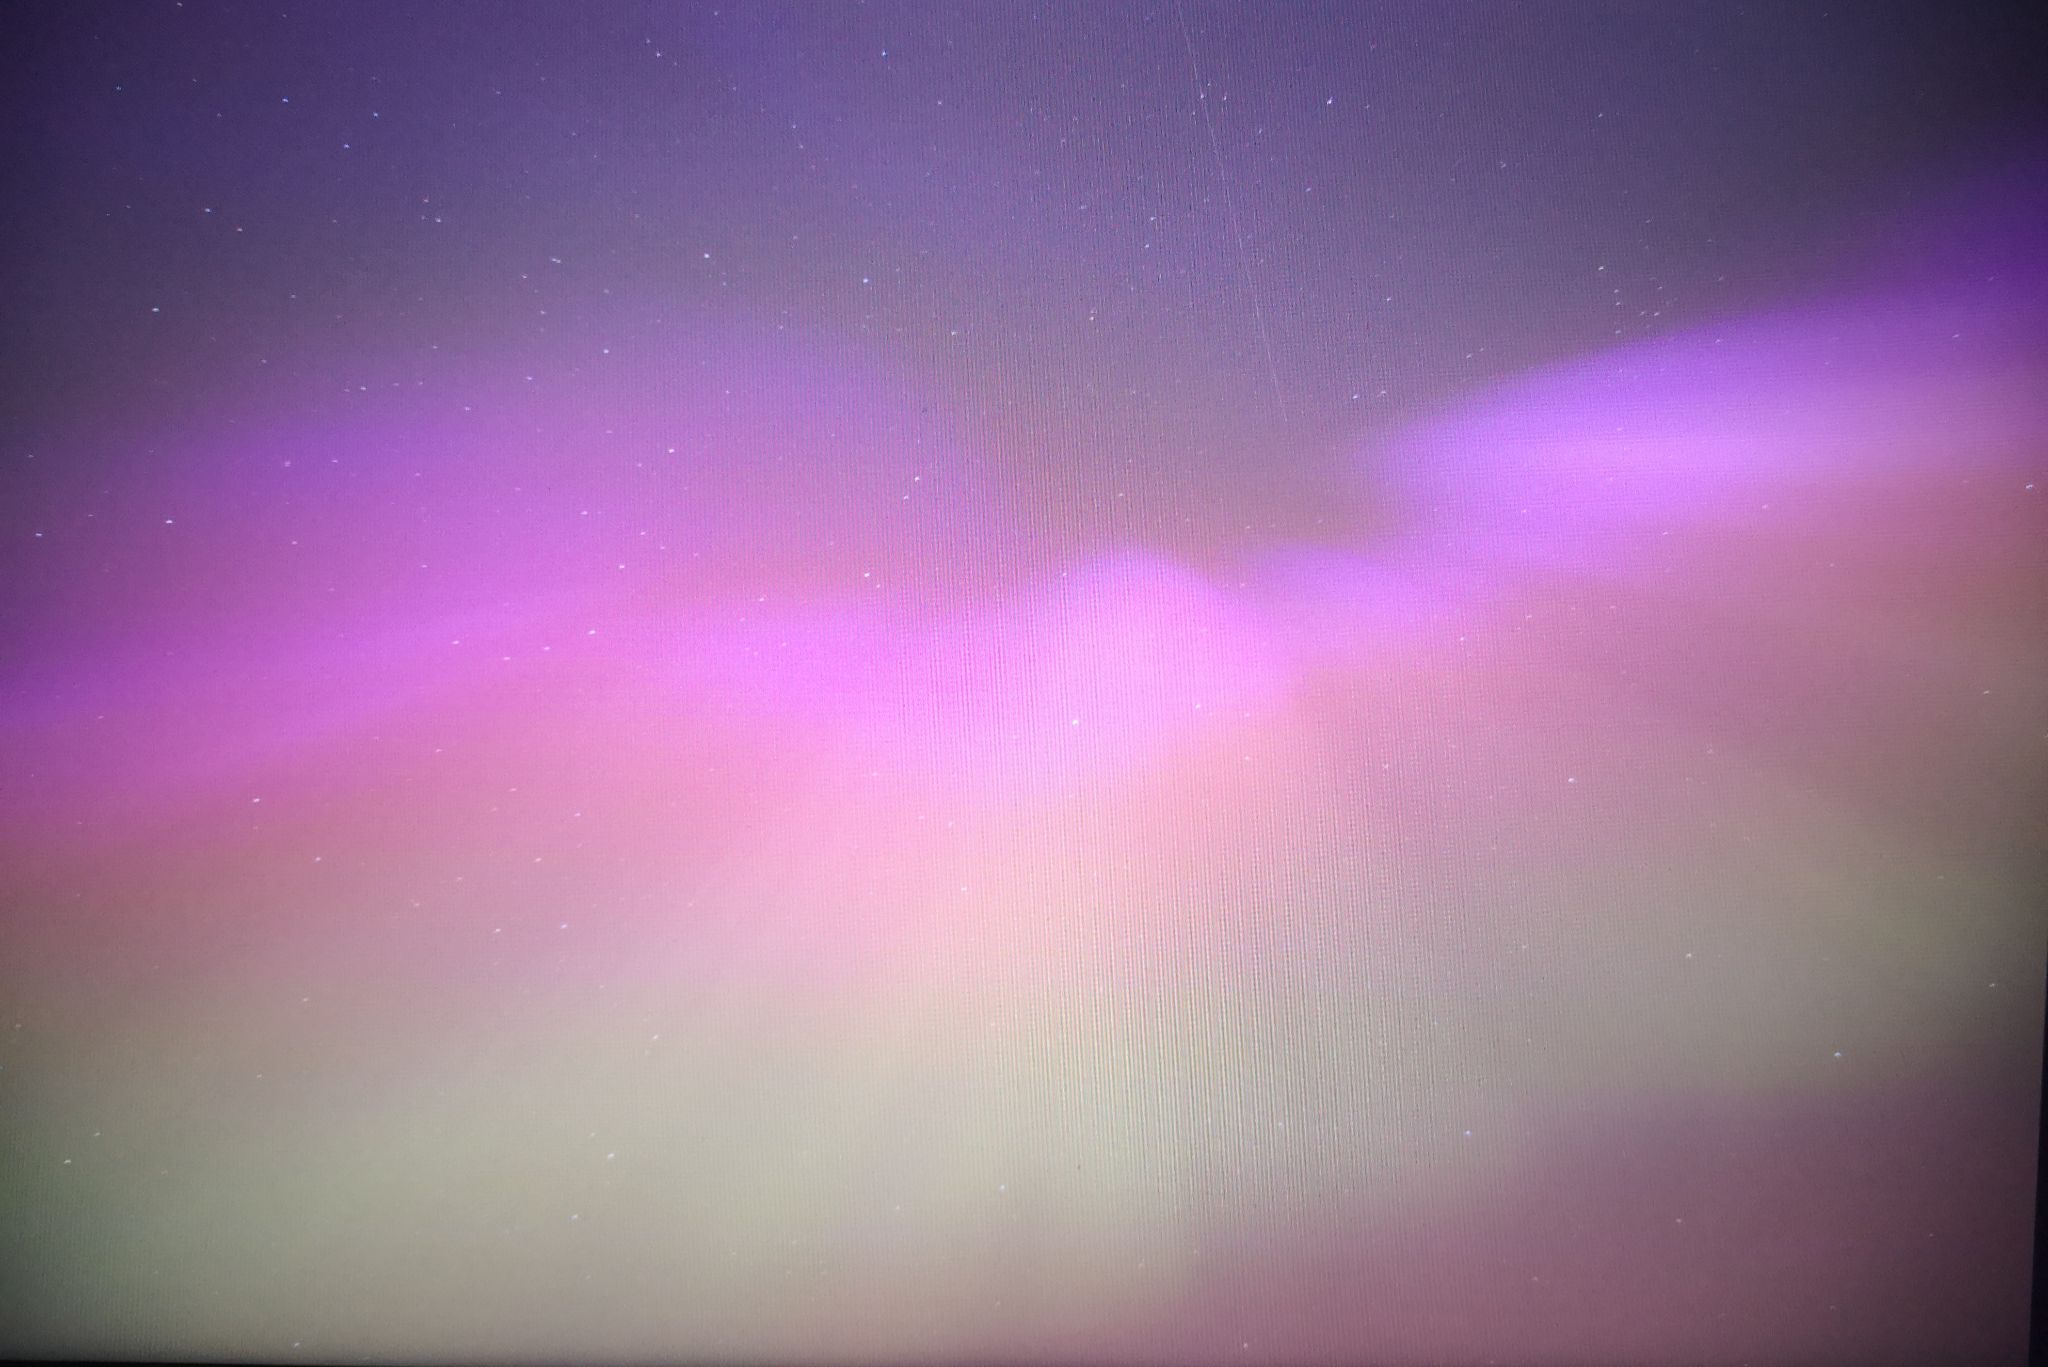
1104	683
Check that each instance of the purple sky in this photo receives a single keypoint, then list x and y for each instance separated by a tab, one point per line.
1108	683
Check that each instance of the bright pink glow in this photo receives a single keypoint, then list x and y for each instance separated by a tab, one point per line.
705	805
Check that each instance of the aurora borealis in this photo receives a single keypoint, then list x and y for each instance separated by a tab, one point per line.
1064	683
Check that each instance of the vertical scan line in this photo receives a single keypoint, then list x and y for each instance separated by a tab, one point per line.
1244	256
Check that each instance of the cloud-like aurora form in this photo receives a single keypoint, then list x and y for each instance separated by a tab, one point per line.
528	870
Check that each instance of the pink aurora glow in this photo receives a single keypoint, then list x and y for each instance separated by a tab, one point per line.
709	810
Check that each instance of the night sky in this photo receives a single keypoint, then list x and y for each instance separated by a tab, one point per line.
1113	683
